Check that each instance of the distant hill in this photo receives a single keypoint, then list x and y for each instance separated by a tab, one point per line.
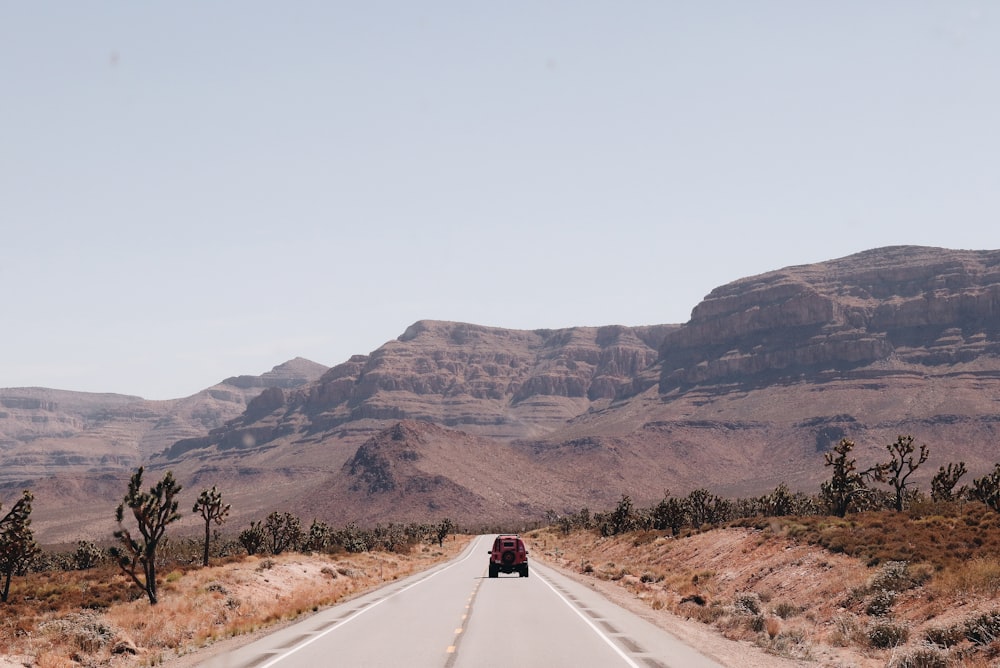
488	424
46	433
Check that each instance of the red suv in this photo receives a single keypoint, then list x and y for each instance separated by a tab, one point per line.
508	555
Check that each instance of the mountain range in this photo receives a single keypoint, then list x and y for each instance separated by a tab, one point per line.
490	425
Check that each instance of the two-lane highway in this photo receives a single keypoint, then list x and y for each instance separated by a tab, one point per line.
455	616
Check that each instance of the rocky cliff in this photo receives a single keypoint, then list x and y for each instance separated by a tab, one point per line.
902	307
494	382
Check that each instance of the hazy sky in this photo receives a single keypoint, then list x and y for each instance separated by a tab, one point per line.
195	190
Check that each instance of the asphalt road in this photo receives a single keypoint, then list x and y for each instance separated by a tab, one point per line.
454	616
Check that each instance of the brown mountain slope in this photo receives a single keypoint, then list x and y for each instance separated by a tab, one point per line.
45	431
416	472
71	443
769	372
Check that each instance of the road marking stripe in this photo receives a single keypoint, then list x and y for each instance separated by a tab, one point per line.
618	650
363	610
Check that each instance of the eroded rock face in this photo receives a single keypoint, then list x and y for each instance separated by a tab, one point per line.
896	306
498	382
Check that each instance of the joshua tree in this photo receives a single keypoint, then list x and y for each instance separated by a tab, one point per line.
319	537
252	538
900	467
17	542
944	481
846	483
778	503
670	513
153	511
621	520
703	507
209	505
987	488
443	528
283	532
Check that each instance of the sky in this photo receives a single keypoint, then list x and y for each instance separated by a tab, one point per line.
196	190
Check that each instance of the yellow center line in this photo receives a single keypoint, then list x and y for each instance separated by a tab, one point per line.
453	649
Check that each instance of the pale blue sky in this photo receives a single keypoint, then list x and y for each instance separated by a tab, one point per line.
194	190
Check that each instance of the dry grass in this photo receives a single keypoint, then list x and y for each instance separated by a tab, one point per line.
943	536
868	590
979	576
95	618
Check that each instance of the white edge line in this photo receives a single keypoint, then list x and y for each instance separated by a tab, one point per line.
611	643
341	623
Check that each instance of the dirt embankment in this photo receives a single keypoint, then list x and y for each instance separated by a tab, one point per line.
752	599
201	611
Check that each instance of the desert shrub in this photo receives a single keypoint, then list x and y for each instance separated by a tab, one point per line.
897	576
757	623
948	636
983	629
784	609
790	643
87	555
87	631
880	603
884	634
921	657
707	614
846	631
747	603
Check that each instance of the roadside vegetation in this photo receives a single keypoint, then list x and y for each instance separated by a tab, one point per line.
141	597
64	617
868	571
855	575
